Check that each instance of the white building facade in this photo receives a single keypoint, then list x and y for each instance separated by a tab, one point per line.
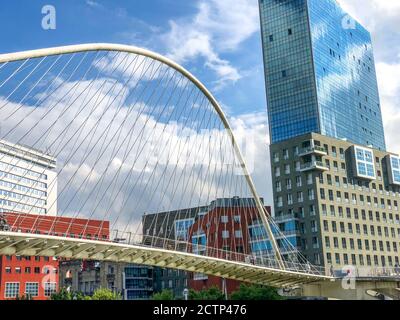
28	180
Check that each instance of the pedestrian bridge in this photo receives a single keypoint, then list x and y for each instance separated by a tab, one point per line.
118	134
13	243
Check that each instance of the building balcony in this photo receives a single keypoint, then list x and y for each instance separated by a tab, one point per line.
317	150
314	165
288	233
286	217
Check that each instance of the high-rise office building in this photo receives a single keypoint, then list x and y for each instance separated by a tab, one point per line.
320	73
330	167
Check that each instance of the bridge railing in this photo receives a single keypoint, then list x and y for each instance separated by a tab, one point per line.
128	238
267	260
370	272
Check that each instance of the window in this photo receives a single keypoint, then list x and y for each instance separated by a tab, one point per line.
271	38
365	163
279	201
12	290
289	199
32	289
224	219
285	154
327	242
238	234
290	32
300	196
311	195
50	288
288	184
310	179
344	243
322	194
225	234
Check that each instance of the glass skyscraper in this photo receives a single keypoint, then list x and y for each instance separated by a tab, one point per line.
320	73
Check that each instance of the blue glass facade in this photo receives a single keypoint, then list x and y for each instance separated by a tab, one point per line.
320	73
259	240
138	282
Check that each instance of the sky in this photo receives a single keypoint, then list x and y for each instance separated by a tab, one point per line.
217	40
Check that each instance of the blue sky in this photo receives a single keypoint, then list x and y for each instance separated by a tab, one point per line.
231	67
217	40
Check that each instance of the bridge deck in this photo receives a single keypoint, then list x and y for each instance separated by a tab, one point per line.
12	243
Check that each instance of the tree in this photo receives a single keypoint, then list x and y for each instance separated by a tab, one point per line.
213	293
164	295
105	294
64	294
255	292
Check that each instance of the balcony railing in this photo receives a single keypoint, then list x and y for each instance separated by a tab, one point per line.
315	165
313	150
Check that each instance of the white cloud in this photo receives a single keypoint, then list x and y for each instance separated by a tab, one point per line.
217	27
251	131
92	3
112	163
389	85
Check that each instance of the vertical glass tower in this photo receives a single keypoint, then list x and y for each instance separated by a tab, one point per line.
320	73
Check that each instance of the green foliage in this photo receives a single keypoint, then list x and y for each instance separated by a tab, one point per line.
255	292
105	294
213	293
164	295
63	294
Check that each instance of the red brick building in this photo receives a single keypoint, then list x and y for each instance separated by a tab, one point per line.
223	233
37	277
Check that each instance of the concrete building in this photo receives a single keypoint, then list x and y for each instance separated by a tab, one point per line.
173	226
169	279
132	282
28	180
88	276
345	198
